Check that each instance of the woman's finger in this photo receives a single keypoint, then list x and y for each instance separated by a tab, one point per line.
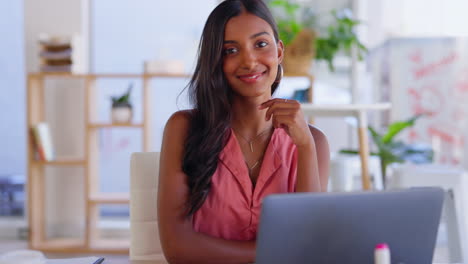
281	111
278	105
282	121
275	101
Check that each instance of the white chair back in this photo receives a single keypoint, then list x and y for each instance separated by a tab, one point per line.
144	172
455	183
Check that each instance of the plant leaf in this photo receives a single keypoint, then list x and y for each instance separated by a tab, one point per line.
397	127
376	137
355	152
341	36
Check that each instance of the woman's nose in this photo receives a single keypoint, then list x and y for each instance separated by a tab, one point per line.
249	60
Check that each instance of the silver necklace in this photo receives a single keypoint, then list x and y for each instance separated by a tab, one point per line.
253	166
251	141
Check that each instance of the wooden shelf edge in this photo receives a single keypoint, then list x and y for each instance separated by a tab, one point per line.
107	75
110	125
122	245
60	245
75	245
109	198
84	250
60	162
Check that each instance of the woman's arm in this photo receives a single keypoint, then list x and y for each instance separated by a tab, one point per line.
180	243
322	151
313	163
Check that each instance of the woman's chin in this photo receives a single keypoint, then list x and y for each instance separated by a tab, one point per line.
264	93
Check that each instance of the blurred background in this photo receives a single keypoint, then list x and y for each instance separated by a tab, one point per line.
414	55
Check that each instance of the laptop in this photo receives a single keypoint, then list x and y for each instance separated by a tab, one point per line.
336	228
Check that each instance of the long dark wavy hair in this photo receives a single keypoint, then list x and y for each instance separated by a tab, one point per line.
211	96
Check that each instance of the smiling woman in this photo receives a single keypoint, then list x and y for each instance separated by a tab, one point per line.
251	55
238	144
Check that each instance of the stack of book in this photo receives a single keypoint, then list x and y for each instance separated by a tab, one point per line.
55	53
43	142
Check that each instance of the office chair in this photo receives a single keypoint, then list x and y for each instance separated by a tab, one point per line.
455	183
144	241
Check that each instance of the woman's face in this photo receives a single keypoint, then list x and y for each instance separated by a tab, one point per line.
250	55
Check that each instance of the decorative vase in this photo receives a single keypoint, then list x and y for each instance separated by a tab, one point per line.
299	54
122	113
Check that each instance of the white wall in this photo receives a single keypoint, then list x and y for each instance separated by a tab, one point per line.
415	18
124	35
12	89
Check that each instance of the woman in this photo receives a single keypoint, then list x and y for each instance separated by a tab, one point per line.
219	160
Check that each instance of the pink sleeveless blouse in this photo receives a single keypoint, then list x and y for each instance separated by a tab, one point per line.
232	208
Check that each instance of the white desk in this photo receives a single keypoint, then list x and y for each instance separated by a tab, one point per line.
360	112
159	260
164	262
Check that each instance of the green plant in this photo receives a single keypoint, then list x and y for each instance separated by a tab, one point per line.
391	151
288	23
339	35
123	100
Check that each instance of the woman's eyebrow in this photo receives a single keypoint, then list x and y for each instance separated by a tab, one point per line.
259	34
251	37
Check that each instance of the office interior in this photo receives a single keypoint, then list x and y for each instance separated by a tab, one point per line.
416	61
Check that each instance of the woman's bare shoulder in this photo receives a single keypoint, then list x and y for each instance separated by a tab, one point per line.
179	121
318	134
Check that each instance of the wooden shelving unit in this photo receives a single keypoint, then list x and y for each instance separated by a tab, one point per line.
91	242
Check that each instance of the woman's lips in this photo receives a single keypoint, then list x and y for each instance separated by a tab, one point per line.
251	78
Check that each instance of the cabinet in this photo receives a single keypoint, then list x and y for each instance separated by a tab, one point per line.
87	164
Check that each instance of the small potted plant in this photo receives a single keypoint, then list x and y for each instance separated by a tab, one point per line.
122	111
304	40
390	150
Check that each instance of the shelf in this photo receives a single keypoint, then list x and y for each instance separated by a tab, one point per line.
61	245
93	242
109	125
110	198
61	162
341	109
77	245
111	245
106	75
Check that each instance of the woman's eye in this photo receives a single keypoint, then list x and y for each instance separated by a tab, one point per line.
230	51
262	44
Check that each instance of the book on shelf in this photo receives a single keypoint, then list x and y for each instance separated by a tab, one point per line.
55	53
43	142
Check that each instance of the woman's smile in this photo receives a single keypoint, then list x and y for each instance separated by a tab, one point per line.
252	77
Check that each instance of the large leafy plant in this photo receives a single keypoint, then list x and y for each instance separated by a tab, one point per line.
340	35
390	150
288	22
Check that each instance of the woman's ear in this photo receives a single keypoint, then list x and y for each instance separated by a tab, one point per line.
280	46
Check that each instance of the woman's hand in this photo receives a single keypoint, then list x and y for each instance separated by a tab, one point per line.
287	114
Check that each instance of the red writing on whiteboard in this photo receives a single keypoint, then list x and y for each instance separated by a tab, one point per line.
428	69
427	100
462	85
415	56
445	137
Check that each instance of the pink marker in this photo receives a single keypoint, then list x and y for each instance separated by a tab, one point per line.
382	254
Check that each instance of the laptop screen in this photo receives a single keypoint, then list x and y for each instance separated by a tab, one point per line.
345	227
